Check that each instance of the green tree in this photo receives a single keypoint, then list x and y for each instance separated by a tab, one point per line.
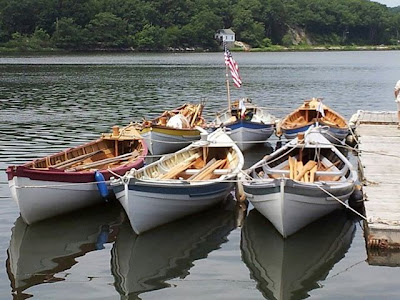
106	30
68	34
248	30
115	24
173	36
150	38
275	21
39	40
20	16
203	26
81	11
131	11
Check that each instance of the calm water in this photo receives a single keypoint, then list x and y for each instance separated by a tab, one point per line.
49	103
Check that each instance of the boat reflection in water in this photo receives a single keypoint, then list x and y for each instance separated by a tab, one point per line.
142	263
290	268
39	251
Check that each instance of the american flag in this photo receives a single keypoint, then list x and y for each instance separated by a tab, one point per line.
233	67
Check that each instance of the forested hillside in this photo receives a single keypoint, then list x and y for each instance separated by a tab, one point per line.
162	24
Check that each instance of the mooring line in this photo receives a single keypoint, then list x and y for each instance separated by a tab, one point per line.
343	203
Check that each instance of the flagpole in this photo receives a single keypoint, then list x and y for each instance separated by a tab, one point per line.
234	70
227	88
227	78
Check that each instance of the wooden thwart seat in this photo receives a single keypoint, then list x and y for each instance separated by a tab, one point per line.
180	167
310	172
207	171
126	156
216	171
74	160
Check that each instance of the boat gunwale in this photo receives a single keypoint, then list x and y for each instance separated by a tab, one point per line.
302	108
27	170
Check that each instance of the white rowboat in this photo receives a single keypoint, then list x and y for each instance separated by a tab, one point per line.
186	182
301	182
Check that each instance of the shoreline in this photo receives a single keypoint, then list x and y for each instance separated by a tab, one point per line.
274	48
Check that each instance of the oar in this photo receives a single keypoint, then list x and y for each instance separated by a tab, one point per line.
105	161
71	161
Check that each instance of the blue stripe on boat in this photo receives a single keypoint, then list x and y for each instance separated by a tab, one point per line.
247	124
193	191
339	133
297	130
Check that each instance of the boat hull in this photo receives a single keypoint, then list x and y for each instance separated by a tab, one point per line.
333	134
38	200
247	134
42	194
161	140
291	205
149	205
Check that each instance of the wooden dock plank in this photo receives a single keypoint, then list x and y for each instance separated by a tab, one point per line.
376	117
379	145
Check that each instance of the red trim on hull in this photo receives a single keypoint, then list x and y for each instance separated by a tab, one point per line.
62	176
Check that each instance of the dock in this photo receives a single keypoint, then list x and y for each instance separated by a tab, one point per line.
379	157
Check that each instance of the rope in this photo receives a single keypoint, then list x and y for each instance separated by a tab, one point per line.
125	181
279	157
353	134
362	151
189	141
245	174
123	178
159	155
346	269
333	137
171	142
61	185
358	151
115	174
341	202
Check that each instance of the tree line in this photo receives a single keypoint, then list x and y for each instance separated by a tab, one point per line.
158	25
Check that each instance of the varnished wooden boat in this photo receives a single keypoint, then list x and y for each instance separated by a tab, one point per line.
247	129
308	114
302	181
173	129
186	182
66	181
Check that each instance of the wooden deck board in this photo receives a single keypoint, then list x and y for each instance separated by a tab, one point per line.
376	117
379	143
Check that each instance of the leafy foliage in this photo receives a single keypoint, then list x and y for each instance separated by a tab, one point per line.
159	24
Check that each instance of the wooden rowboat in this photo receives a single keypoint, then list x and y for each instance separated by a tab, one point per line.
310	113
252	126
173	129
186	182
66	181
301	182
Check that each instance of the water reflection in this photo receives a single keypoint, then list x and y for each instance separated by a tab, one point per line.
143	263
257	152
39	251
290	268
383	257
